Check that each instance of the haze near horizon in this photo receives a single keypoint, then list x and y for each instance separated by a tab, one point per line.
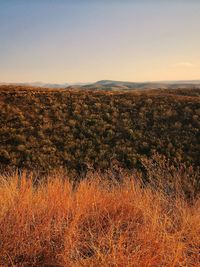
86	41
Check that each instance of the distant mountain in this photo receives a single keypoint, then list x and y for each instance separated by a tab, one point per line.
120	85
112	85
105	82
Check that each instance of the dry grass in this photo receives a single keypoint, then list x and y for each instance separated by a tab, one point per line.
98	224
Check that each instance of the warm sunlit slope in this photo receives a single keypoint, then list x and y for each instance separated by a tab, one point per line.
97	223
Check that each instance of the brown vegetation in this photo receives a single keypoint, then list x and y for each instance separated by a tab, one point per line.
49	128
98	222
145	215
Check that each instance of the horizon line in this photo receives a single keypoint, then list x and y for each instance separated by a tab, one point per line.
108	80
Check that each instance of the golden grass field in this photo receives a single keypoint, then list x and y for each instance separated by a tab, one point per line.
97	223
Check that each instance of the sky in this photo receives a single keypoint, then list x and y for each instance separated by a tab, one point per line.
59	41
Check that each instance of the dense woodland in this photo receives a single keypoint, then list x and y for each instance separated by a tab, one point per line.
46	129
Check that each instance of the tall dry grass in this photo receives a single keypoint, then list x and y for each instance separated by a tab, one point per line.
98	223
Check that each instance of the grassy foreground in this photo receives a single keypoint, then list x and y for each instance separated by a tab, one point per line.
97	223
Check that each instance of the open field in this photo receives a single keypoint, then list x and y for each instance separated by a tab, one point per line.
97	223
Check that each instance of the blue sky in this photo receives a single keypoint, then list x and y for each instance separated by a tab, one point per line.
89	40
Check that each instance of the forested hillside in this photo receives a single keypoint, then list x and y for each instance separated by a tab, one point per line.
47	128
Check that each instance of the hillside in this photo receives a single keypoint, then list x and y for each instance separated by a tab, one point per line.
49	128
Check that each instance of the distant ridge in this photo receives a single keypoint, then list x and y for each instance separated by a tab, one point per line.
39	84
112	85
120	85
44	85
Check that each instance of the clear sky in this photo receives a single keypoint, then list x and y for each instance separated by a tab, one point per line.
89	40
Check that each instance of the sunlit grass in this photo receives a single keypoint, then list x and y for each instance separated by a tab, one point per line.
96	224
